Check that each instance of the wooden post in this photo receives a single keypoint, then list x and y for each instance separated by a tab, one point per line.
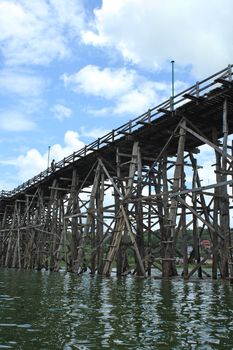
217	192
168	264
10	243
224	202
73	207
89	220
196	241
53	219
122	221
100	228
149	250
139	213
184	233
121	251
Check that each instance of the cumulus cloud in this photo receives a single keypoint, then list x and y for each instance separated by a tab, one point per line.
128	91
39	31
61	112
151	33
138	100
33	161
107	83
30	164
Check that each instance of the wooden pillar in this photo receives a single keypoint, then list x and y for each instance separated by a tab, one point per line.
16	260
217	193
122	219
3	236
224	202
61	230
196	240
161	188
184	232
100	228
139	212
121	252
10	243
169	263
89	220
30	234
73	208
149	250
53	220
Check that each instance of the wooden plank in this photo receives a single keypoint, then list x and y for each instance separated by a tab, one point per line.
226	83
194	98
201	189
165	111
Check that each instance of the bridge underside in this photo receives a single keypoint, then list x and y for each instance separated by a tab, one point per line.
139	204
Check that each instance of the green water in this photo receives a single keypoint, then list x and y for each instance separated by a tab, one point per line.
42	310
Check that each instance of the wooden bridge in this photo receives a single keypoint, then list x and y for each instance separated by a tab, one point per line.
134	198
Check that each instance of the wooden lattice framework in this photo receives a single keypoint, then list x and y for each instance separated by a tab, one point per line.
127	199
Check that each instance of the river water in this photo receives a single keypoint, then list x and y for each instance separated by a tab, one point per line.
42	310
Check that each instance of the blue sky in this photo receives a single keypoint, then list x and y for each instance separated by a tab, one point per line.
72	70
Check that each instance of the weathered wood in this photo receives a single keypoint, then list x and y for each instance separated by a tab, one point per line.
207	142
139	259
215	213
73	207
224	201
100	225
184	234
169	268
195	182
130	199
89	220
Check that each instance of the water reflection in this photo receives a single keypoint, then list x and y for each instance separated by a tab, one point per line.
42	310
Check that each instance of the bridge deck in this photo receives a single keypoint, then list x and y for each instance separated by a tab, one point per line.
131	195
201	104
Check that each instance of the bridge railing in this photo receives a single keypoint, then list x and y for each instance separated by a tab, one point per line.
167	107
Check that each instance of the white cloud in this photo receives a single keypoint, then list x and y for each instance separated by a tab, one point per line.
33	161
107	83
138	100
128	91
151	33
15	121
61	112
30	164
72	142
20	83
39	31
90	37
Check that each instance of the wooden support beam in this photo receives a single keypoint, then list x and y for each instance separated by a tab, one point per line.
209	143
201	189
198	216
142	122
194	98
165	111
224	82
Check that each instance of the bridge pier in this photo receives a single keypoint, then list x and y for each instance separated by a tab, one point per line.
138	204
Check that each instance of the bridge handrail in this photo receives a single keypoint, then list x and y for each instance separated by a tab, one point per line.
127	128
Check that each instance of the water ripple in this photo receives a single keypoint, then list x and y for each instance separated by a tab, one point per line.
63	311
